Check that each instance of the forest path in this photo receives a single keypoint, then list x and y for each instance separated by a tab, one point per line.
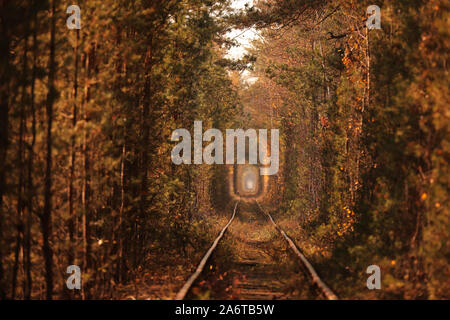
252	263
263	262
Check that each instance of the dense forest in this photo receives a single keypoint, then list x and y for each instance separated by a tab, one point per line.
86	118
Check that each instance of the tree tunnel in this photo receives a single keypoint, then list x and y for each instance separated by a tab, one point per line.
246	183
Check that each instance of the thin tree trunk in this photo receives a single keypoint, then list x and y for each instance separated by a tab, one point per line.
121	263
5	71
368	68
71	225
30	187
86	190
71	222
144	154
46	216
20	222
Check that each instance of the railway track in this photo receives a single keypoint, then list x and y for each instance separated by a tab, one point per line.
310	271
184	290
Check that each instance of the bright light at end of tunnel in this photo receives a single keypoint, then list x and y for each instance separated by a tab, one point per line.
249	184
249	181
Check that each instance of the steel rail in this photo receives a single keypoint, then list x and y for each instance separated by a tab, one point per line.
187	286
329	294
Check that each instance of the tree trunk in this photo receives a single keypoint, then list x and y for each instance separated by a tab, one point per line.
121	263
86	190
30	187
72	218
144	154
71	225
46	216
20	185
5	70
